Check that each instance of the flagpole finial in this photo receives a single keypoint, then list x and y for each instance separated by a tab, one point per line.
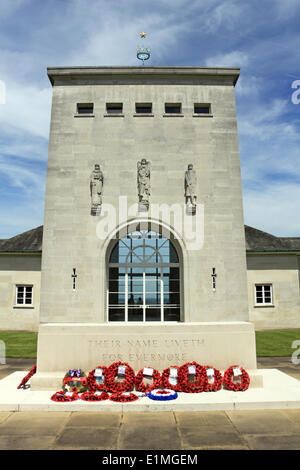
143	53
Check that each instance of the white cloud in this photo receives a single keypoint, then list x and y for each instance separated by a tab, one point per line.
105	32
20	177
8	7
24	196
286	8
231	59
248	85
274	209
21	145
18	218
27	108
269	145
224	14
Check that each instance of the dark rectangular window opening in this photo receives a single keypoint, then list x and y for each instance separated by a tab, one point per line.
263	294
85	108
173	108
24	295
201	108
143	108
114	108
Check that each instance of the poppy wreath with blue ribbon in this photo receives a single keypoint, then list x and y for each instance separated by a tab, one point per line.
165	379
237	386
141	387
92	380
94	396
118	387
27	377
62	397
123	397
163	394
217	383
198	384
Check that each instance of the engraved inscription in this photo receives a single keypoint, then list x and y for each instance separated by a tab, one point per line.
146	343
158	351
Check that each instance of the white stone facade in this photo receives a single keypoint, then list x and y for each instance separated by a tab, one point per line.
279	270
19	270
117	142
170	142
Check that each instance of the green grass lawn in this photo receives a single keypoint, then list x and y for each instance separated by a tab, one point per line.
276	342
268	343
19	343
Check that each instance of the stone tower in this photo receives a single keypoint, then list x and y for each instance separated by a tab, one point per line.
136	153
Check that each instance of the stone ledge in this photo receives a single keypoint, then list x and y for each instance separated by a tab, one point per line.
199	115
280	391
143	115
82	115
173	115
114	115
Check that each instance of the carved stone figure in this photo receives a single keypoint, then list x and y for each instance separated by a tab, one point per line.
190	185
143	182
96	186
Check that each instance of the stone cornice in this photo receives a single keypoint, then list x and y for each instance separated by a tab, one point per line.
59	75
273	252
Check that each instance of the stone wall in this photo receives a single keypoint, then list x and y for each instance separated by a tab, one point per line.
117	143
23	270
282	271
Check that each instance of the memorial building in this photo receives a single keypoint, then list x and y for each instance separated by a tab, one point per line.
273	267
144	254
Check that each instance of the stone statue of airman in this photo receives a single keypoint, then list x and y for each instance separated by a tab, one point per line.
190	185
96	186
143	181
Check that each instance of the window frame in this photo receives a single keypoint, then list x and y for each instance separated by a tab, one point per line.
264	303
167	114
160	276
118	106
202	105
24	304
143	105
83	106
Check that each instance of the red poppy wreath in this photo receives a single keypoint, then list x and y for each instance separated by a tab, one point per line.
61	396
147	372
236	371
124	397
27	377
213	380
96	378
119	369
94	396
189	371
169	378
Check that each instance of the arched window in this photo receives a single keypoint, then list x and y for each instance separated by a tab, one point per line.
144	279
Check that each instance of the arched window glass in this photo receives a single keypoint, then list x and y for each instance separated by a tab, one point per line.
144	280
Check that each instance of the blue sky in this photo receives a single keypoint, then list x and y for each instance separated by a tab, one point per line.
261	37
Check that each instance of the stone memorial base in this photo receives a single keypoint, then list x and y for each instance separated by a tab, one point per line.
64	346
280	392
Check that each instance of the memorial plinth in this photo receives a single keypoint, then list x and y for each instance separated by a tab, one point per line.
70	345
